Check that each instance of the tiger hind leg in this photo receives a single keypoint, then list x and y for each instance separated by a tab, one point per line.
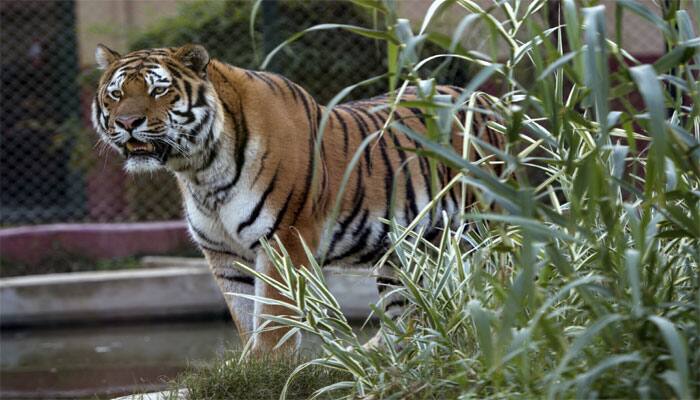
392	299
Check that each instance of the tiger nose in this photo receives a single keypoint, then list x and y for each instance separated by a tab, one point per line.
129	122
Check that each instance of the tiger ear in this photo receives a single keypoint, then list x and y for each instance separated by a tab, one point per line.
105	56
194	57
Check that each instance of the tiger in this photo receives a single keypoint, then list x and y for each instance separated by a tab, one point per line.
241	145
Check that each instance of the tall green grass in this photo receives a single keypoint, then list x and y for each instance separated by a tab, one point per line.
586	284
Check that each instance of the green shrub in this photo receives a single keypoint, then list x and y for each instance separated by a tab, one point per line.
587	283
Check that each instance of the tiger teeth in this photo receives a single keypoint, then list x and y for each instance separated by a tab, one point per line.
138	146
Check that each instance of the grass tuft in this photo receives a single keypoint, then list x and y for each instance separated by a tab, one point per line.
257	378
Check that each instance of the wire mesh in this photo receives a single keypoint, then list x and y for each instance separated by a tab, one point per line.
50	167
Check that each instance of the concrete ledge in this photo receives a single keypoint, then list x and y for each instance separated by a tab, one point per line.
99	296
32	244
174	292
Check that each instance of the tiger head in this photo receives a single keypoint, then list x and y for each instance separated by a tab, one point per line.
156	107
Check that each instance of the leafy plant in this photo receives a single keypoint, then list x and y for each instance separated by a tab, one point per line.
586	283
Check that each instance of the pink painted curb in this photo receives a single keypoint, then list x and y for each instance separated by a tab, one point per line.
34	244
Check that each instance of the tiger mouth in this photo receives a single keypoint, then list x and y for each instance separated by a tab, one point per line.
137	148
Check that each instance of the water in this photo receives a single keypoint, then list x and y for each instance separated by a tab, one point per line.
105	361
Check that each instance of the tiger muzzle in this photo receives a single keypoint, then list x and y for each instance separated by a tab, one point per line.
154	149
129	122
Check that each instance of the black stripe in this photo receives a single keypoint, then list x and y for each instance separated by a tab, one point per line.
278	219
262	167
198	201
389	176
158	77
418	114
105	121
188	93
290	87
410	191
202	235
245	279
358	200
385	280
424	167
241	143
297	89
98	110
187	114
358	246
265	79
258	207
307	110
442	91
201	97
268	78
361	224
151	64
345	131
439	169
174	72
461	116
402	302
211	156
322	158
385	283
207	248
310	165
360	242
452	193
388	183
241	134
194	132
364	131
378	249
432	233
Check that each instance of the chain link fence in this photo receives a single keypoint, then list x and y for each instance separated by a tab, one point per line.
51	167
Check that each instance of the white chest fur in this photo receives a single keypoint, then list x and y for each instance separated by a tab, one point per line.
224	220
217	229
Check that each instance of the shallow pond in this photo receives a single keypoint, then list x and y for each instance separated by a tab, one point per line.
105	361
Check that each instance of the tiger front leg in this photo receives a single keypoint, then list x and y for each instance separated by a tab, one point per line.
268	334
233	281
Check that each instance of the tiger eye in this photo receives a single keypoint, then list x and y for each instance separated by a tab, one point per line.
159	90
116	94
